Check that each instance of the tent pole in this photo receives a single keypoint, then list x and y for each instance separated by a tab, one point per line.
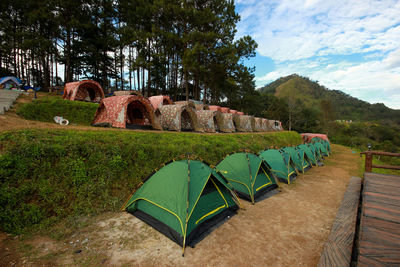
288	169
251	179
187	208
183	246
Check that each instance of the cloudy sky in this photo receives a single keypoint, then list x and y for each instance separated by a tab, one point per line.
353	46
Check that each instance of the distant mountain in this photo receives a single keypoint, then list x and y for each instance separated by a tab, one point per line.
310	94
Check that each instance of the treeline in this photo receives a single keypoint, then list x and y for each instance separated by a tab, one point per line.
184	48
379	135
292	112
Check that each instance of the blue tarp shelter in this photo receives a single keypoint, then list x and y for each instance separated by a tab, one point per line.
9	82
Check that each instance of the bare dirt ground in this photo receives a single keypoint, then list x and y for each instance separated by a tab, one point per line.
287	229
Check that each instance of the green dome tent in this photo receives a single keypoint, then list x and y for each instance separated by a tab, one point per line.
322	148
316	152
327	144
308	153
322	144
247	174
294	155
305	161
282	168
183	200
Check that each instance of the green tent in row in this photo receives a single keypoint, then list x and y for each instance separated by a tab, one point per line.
316	152
327	144
183	200
280	165
298	157
322	145
308	154
248	175
323	149
305	161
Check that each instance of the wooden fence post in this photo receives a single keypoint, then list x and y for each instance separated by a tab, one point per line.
368	161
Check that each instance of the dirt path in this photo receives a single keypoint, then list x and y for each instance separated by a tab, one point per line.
287	229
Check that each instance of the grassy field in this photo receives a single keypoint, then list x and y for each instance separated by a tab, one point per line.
45	109
387	161
47	175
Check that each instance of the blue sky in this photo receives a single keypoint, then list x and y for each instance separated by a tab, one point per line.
353	46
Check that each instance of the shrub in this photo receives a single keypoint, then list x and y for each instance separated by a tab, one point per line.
46	109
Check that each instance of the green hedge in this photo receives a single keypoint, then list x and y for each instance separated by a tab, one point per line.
46	109
46	175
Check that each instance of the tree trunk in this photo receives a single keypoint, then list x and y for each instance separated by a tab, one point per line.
56	66
143	89
148	70
22	67
168	82
116	70
51	70
186	85
121	67
104	72
18	74
67	52
15	48
46	72
130	67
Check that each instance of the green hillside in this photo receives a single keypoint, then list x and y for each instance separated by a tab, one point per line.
346	107
47	175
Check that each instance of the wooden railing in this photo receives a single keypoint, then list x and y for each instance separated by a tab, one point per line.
368	160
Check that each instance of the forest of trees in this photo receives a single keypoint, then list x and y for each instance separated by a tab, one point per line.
184	48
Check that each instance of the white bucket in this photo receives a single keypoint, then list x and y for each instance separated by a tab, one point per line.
61	120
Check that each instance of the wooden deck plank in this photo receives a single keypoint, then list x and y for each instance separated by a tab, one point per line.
380	175
370	211
339	246
385	225
389	190
379	239
383	186
380	198
385	181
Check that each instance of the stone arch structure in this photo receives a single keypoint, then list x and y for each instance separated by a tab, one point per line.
126	111
86	90
178	118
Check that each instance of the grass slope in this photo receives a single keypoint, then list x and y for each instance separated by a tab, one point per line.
46	109
298	88
46	175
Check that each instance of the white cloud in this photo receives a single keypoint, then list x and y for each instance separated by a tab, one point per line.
318	38
292	30
392	60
